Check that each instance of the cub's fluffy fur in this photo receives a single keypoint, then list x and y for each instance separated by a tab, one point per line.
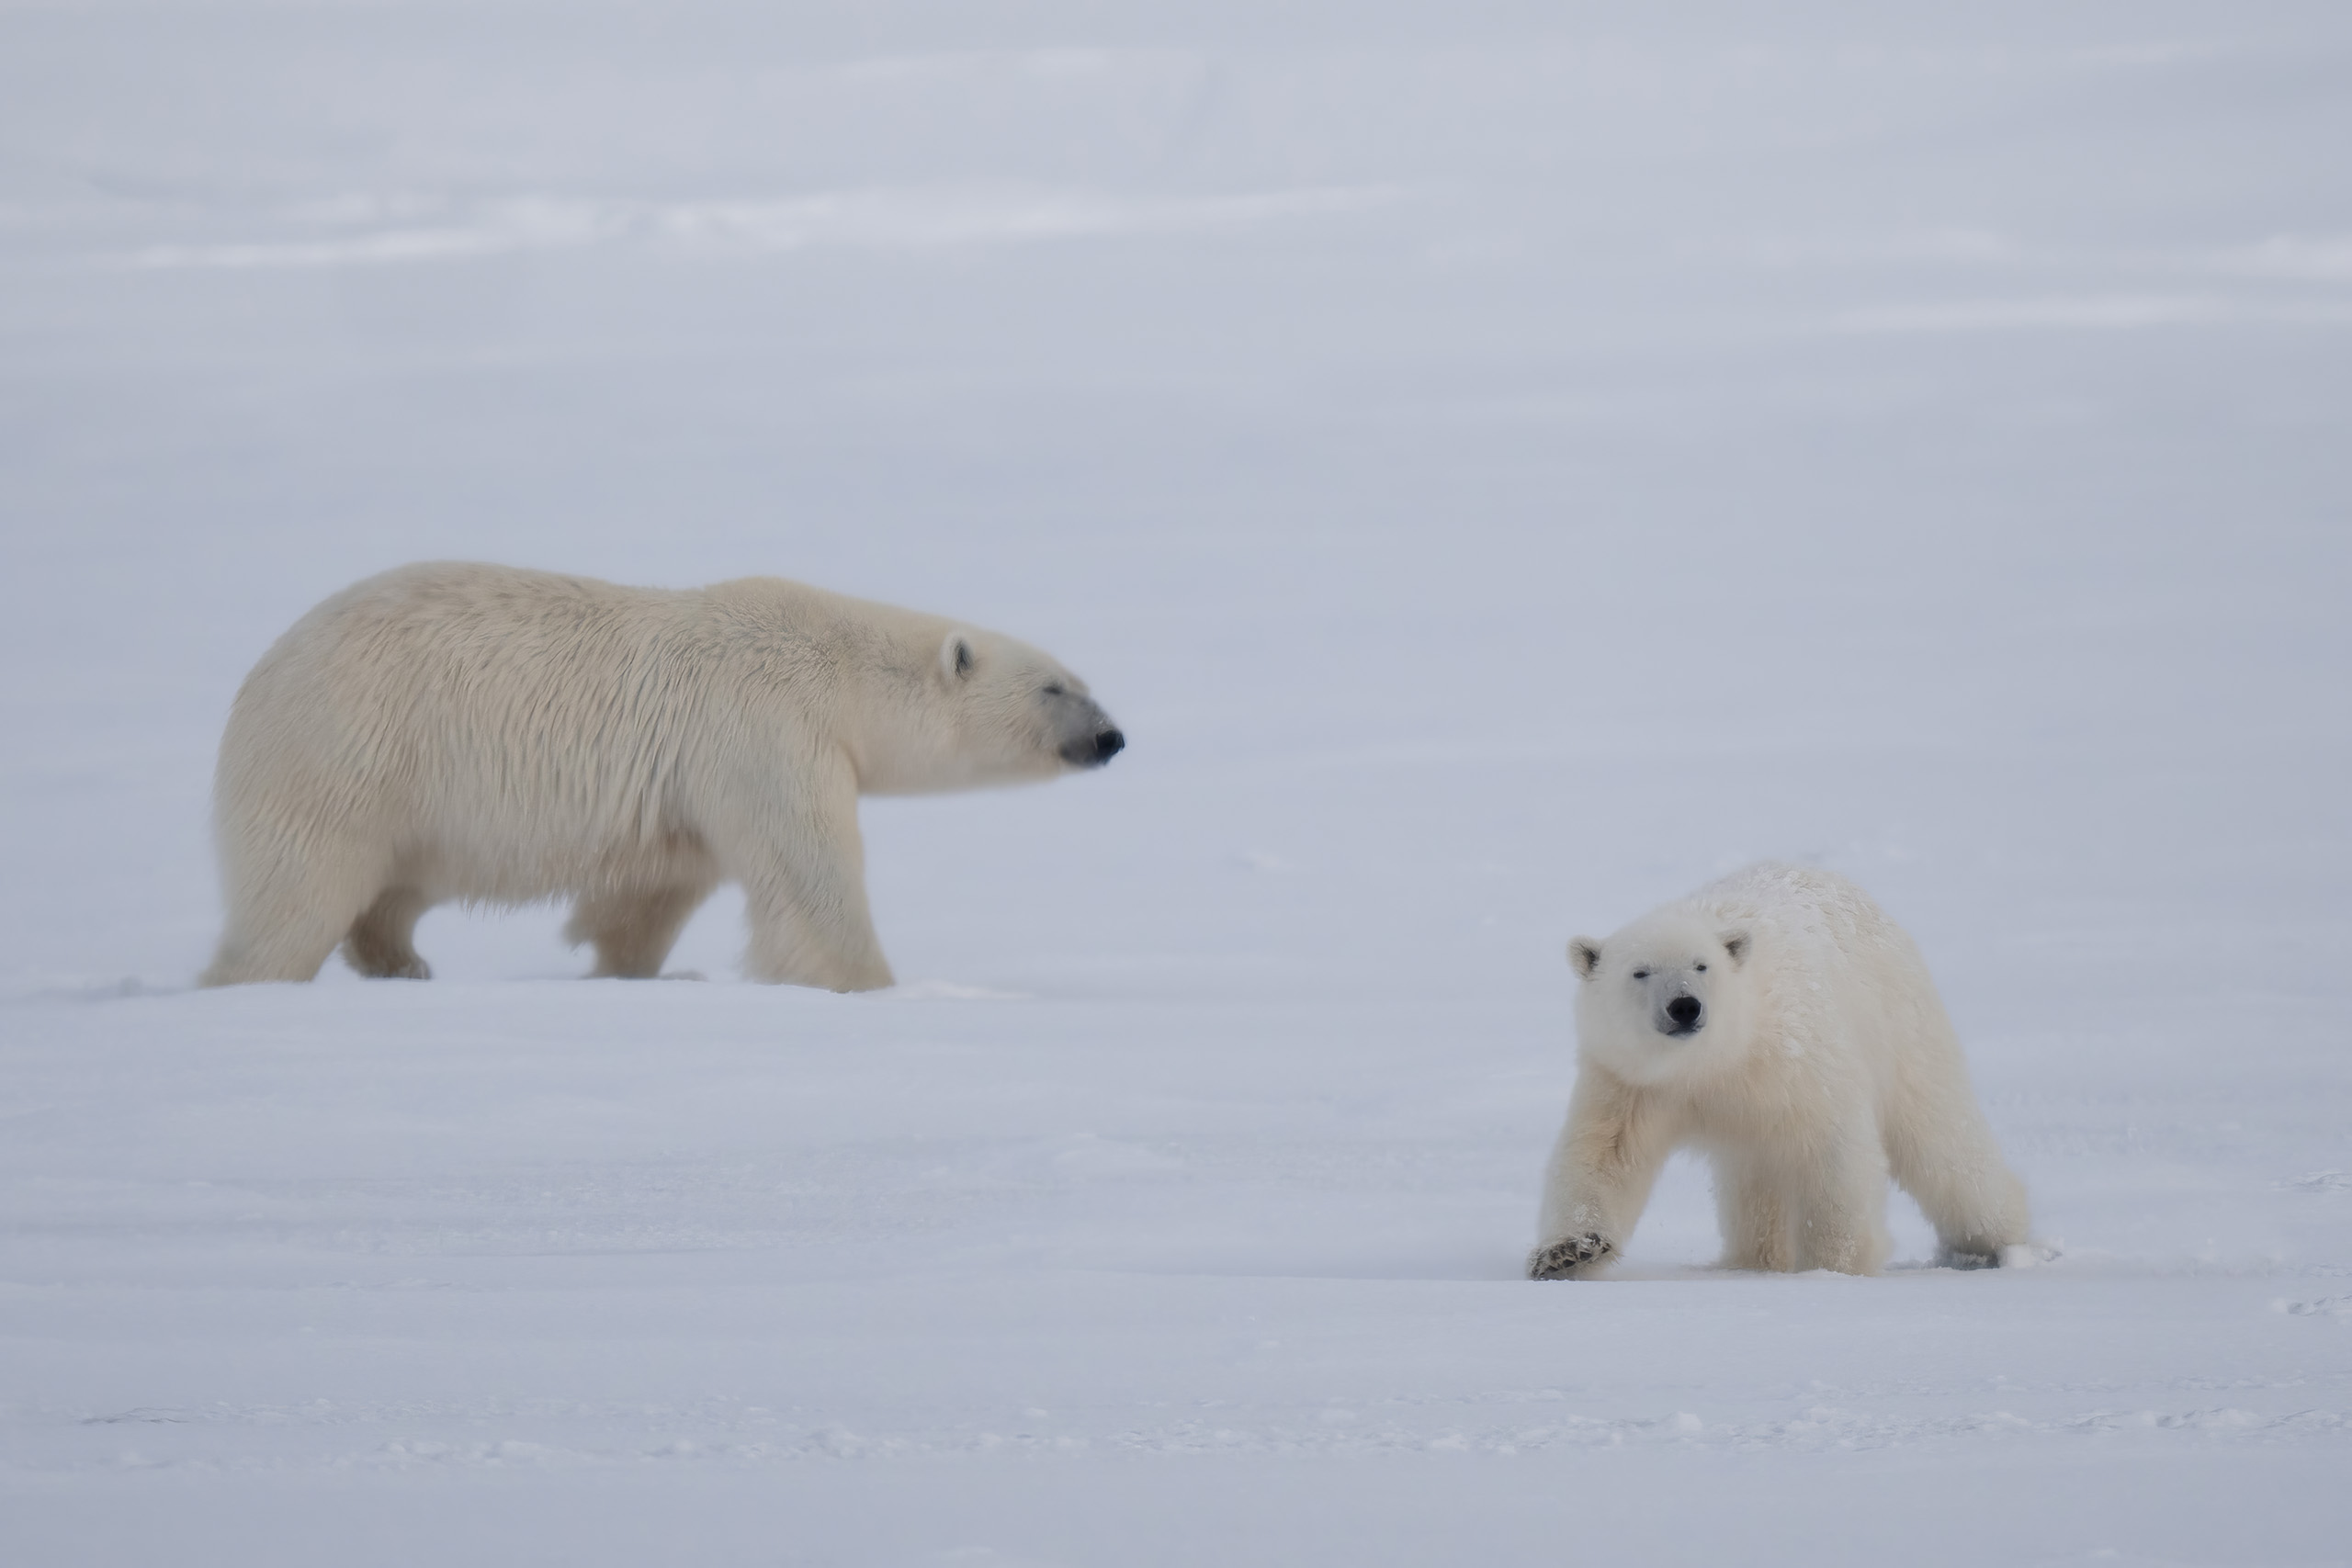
457	731
1779	1020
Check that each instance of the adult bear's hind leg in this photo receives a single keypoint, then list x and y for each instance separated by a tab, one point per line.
633	931
285	917
382	943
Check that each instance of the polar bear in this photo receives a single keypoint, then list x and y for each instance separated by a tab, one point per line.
459	732
1780	1021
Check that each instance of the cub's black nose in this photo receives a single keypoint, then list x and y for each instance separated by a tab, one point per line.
1109	744
1684	1011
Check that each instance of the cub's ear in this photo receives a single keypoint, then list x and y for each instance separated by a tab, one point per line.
1584	956
955	658
1735	947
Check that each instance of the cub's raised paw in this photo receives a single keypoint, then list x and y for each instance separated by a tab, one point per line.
1569	1257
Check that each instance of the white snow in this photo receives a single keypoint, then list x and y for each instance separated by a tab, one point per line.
1502	465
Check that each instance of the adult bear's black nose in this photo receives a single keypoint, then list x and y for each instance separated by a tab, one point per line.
1107	745
1684	1011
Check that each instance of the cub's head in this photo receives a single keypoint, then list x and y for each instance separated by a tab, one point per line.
991	711
1663	998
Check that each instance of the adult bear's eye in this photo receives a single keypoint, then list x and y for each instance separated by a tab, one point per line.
1703	969
1641	974
1056	690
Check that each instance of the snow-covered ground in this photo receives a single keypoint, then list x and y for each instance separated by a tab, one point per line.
1501	465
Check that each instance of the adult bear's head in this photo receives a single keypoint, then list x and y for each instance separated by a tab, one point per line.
1667	998
967	708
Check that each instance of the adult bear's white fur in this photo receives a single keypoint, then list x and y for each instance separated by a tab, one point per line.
459	731
1779	1020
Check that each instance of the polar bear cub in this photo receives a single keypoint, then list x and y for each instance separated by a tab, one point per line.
459	732
1780	1021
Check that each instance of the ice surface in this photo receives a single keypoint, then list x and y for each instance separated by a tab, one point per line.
1501	466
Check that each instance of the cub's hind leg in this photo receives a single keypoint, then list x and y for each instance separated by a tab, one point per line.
1952	1166
634	931
382	943
1752	1206
1841	1203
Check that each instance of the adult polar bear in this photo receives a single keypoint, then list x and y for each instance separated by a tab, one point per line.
459	732
1780	1022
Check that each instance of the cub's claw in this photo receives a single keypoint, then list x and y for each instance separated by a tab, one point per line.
1565	1259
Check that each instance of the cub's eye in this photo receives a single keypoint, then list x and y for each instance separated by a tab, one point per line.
1056	690
1641	974
1703	969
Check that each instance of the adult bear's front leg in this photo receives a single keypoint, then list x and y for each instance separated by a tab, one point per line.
634	930
804	886
794	945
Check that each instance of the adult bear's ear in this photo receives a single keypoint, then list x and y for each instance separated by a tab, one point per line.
1584	956
955	658
1735	947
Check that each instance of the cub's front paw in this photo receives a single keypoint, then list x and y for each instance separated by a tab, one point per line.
1571	1256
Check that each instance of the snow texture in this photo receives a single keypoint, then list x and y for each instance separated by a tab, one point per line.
1502	464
